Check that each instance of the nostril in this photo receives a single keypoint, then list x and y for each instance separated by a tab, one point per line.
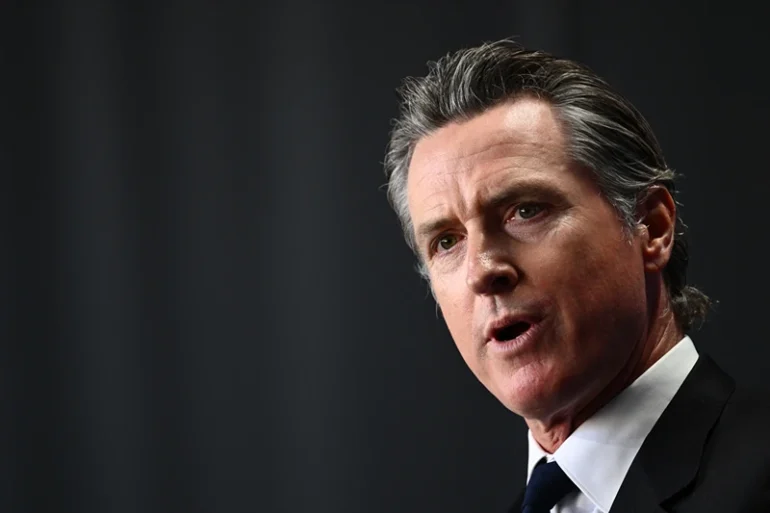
500	283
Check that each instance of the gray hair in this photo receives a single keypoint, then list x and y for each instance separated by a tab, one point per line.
606	134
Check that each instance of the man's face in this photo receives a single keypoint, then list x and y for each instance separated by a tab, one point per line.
541	289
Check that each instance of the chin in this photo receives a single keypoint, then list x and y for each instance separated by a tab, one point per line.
529	398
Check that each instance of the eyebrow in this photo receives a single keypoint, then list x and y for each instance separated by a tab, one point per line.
500	198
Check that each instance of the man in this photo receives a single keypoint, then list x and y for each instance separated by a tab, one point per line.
544	217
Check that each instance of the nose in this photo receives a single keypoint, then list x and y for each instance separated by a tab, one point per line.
490	269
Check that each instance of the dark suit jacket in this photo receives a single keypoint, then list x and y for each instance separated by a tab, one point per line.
708	452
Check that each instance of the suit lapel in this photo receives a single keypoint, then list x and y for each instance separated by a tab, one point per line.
670	456
636	495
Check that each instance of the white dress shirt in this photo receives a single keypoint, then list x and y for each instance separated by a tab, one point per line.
598	454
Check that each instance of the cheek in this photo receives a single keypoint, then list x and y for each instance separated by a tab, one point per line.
456	306
590	278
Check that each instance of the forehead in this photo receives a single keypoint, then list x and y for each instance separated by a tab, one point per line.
513	140
525	121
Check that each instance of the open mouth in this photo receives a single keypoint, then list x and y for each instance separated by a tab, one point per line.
511	331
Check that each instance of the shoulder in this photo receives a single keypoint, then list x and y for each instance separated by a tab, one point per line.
744	411
735	465
743	427
711	398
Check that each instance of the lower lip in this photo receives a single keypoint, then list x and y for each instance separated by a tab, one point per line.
518	344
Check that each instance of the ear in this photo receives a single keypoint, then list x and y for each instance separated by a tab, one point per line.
657	220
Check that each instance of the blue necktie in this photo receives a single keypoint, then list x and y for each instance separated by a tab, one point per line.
547	485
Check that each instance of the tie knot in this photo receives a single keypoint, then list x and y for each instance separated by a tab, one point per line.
547	485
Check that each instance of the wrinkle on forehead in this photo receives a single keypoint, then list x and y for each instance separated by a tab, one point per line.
523	135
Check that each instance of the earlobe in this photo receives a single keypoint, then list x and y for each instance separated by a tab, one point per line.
658	220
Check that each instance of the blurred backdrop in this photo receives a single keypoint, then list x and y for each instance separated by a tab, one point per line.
207	303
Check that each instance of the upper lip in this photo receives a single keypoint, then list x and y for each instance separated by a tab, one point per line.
507	320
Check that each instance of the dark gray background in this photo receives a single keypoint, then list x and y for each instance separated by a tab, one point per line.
208	301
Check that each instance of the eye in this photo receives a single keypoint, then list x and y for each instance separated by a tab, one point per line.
528	210
446	242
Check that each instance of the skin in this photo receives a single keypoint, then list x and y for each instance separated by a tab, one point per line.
507	224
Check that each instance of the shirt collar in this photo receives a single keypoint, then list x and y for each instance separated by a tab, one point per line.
598	454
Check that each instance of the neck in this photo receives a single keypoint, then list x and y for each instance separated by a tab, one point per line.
662	335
